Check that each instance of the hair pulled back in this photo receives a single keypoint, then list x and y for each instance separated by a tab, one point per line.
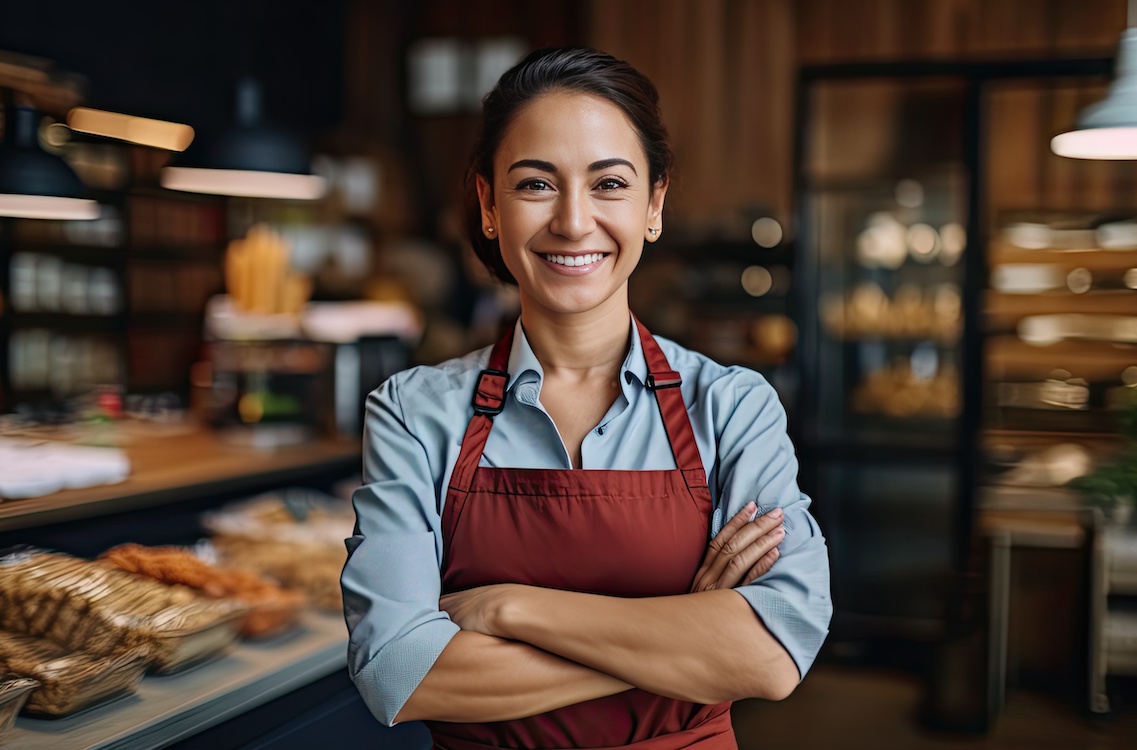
572	69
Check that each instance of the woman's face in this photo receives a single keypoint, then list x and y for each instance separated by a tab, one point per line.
571	203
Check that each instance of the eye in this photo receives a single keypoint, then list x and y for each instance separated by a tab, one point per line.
535	184
611	183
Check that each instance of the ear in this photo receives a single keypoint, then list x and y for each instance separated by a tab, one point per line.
655	211
485	201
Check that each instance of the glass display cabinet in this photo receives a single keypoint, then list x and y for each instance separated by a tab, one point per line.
968	353
883	179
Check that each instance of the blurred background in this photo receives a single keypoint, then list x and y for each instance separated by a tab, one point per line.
223	223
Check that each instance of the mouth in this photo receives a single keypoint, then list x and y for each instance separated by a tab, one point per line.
574	261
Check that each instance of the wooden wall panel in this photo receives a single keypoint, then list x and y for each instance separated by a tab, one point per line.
1015	133
833	31
1008	28
851	135
725	70
1088	26
1059	183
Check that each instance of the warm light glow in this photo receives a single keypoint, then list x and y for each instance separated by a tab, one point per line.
757	281
171	136
1097	143
909	193
1079	281
923	242
953	241
1043	330
244	183
766	232
47	207
1026	278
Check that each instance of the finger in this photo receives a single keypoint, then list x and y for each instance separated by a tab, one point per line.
739	565
742	539
725	534
763	566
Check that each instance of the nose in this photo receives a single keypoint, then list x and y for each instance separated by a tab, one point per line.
572	217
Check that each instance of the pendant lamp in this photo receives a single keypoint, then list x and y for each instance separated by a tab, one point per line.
1108	129
33	183
253	160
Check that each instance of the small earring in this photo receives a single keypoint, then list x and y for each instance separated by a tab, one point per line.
653	231
490	230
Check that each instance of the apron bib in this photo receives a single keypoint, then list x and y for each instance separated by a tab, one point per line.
618	533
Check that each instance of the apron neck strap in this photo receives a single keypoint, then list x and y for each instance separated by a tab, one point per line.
488	401
665	384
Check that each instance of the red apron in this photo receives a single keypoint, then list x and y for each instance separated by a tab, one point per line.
620	533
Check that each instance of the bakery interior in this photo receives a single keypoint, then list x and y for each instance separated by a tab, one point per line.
869	210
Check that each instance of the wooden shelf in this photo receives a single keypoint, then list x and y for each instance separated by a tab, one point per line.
180	467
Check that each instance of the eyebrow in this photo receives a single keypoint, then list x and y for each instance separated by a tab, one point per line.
548	166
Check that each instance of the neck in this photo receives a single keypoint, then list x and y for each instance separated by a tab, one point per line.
596	339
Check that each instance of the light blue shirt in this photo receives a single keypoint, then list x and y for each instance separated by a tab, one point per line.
415	424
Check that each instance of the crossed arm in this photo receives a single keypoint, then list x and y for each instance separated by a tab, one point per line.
525	650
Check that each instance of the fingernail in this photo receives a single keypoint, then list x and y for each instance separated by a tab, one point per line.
751	506
776	513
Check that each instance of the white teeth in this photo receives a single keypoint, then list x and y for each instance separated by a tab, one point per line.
575	260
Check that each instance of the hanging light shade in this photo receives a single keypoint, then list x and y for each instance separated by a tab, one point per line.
1108	129
33	183
252	160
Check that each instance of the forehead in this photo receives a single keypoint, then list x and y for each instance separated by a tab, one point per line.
567	127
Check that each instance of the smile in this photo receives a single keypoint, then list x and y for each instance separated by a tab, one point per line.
571	261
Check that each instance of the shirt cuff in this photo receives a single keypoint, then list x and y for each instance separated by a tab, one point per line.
800	627
387	681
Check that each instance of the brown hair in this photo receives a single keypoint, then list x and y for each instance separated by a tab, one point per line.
573	69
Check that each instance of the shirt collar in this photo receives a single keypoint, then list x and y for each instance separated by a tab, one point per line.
522	360
524	366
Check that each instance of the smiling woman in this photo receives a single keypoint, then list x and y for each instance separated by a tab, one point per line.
540	558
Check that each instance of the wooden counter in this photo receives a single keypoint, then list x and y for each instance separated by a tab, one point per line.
173	468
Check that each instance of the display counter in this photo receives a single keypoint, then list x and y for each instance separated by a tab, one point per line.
257	686
166	709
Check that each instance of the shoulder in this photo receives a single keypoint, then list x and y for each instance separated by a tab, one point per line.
724	385
427	389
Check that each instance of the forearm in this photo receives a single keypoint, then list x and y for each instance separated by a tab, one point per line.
705	647
480	678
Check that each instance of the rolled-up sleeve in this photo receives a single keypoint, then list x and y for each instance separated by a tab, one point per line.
391	583
756	462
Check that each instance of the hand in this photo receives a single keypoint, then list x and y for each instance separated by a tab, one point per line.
742	551
476	609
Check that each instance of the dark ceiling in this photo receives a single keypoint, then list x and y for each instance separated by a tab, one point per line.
180	60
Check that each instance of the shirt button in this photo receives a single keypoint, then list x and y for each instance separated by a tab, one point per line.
599	430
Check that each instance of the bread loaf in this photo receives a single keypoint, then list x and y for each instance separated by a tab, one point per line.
271	608
102	610
68	680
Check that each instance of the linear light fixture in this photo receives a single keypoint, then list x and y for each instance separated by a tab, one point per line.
143	131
